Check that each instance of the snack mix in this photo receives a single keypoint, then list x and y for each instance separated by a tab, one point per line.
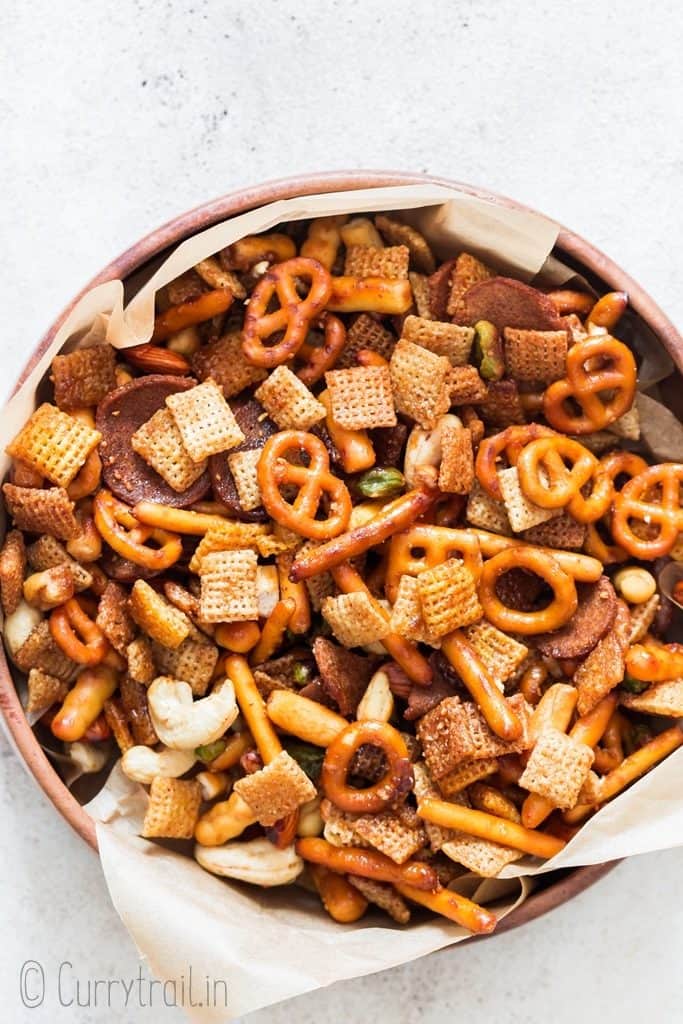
354	564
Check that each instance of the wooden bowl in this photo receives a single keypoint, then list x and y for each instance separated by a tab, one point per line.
557	887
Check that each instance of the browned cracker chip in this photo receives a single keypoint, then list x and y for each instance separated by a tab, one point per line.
509	303
193	661
456	472
44	690
659	699
229	592
448	595
396	233
205	420
355	619
344	675
158	441
224	361
117	720
368	261
141	667
421	383
173	809
82	378
502	405
535	355
449	340
455	732
42	510
439	284
288	401
365	333
114	618
642	617
604	667
12	569
383	896
54	443
276	790
420	287
361	397
157	617
468	271
559	532
466	386
40	650
134	702
557	768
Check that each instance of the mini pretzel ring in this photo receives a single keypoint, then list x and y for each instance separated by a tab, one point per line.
294	315
128	538
321	359
635	502
510	620
68	624
391	788
546	480
586	387
313	481
511	441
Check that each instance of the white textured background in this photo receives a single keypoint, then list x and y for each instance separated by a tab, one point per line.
115	117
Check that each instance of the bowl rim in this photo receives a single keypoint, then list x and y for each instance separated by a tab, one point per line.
202	216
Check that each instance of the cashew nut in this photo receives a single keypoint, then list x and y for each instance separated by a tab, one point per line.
213	784
142	764
19	626
256	861
267	589
310	819
89	757
424	448
182	723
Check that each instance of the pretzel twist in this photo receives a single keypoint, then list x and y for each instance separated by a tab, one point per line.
614	464
127	537
294	315
395	783
616	374
322	358
77	634
425	547
313	481
549	483
510	441
655	663
663	509
510	620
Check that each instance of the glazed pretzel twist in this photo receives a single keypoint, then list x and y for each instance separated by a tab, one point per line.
424	547
616	373
321	359
77	634
615	464
510	441
128	537
636	502
313	481
510	620
294	315
396	781
546	480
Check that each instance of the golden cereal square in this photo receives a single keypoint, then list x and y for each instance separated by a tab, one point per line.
40	650
228	536
406	615
557	768
355	619
395	232
244	469
466	386
383	896
501	654
156	616
421	383
193	661
173	809
535	355
449	340
522	514
479	855
224	361
562	531
642	617
229	591
361	397
468	271
456	472
276	790
44	690
369	261
47	510
47	552
206	422
82	378
659	699
54	443
288	401
389	833
465	774
421	295
485	512
448	595
160	444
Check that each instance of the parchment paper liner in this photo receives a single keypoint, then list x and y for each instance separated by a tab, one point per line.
273	944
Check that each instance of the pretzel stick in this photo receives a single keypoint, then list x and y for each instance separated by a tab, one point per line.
353	860
252	707
453	906
583	568
395	516
488	826
342	901
300	619
415	666
273	631
151	513
486	694
370	294
195	311
237	743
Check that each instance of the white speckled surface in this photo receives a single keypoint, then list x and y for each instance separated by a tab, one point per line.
115	117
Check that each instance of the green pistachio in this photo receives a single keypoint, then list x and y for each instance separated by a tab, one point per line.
488	350
210	751
381	482
308	757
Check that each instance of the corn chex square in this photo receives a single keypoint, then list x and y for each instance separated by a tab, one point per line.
156	616
361	397
365	333
244	469
47	552
406	615
48	510
276	790
561	531
40	650
522	514
449	340
206	422
114	618
659	699
395	232
44	690
485	512
117	720
355	619
479	855
160	444
383	896
228	536
229	591
557	768
141	667
642	617
535	355
421	383
455	732
396	834
224	361
501	654
369	261
456	471
465	774
54	443
173	809
82	378
288	401
448	596
502	405
419	284
193	661
466	386
468	271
